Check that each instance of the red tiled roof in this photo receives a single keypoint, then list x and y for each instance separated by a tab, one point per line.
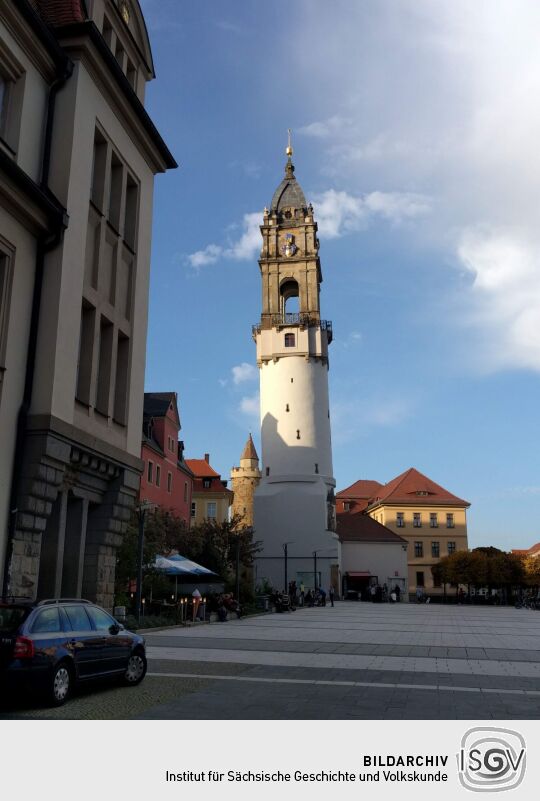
201	469
60	12
415	488
361	489
363	528
528	551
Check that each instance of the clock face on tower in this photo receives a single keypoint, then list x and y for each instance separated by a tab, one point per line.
288	247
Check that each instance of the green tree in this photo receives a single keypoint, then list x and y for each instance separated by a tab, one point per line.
531	566
212	544
163	533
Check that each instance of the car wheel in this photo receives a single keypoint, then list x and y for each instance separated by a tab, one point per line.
136	669
61	684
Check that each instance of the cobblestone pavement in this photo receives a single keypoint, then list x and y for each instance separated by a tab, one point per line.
353	661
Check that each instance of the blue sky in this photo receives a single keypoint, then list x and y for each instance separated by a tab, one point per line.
415	130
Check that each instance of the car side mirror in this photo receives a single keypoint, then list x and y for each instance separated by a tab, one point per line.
114	629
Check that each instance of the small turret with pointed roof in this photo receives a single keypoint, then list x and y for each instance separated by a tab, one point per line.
244	481
249	454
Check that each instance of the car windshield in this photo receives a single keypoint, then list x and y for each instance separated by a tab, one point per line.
11	618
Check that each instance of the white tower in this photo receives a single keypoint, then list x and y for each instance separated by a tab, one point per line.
294	503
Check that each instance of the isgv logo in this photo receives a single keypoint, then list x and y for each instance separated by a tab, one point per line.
491	759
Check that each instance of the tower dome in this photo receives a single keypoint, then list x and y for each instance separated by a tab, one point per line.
289	194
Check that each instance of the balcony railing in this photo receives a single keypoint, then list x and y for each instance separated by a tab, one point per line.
299	319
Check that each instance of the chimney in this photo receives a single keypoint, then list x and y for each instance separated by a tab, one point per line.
207	458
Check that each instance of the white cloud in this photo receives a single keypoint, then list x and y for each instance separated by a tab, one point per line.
209	255
244	372
250	406
353	419
438	100
245	248
249	244
340	213
323	129
505	300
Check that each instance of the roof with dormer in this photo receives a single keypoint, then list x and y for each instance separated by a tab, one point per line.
411	487
415	488
289	193
157	404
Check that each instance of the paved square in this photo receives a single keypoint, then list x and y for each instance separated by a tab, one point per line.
356	660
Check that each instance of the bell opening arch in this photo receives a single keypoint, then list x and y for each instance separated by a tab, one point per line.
289	292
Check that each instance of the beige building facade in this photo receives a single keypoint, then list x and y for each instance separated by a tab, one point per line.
244	481
78	156
211	499
431	519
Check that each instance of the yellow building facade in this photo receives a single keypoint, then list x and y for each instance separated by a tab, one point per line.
210	499
431	519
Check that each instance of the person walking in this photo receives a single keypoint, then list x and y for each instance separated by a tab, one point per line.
397	592
331	592
302	593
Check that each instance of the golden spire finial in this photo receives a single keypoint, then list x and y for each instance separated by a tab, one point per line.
289	150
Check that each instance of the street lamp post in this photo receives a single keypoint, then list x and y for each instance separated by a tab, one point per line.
285	546
141	514
237	569
315	571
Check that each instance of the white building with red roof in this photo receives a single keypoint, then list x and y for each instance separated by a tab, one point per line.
431	519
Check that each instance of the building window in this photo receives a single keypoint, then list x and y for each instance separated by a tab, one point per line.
121	381
287	408
103	389
267	471
400	520
418	549
420	578
297	433
207	483
346	506
150	474
437	581
435	550
433	521
185	491
169	482
5	294
449	520
4	94
451	547
417	520
11	99
211	510
193	508
289	341
158	475
316	467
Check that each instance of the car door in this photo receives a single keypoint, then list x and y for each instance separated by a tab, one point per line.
116	644
48	636
84	642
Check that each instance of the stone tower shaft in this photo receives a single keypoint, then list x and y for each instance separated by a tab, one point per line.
294	502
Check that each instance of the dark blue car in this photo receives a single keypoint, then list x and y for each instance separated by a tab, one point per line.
53	645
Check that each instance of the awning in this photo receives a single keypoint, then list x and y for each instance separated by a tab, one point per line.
177	565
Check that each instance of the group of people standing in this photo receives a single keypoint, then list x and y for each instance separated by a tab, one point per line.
381	594
316	597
